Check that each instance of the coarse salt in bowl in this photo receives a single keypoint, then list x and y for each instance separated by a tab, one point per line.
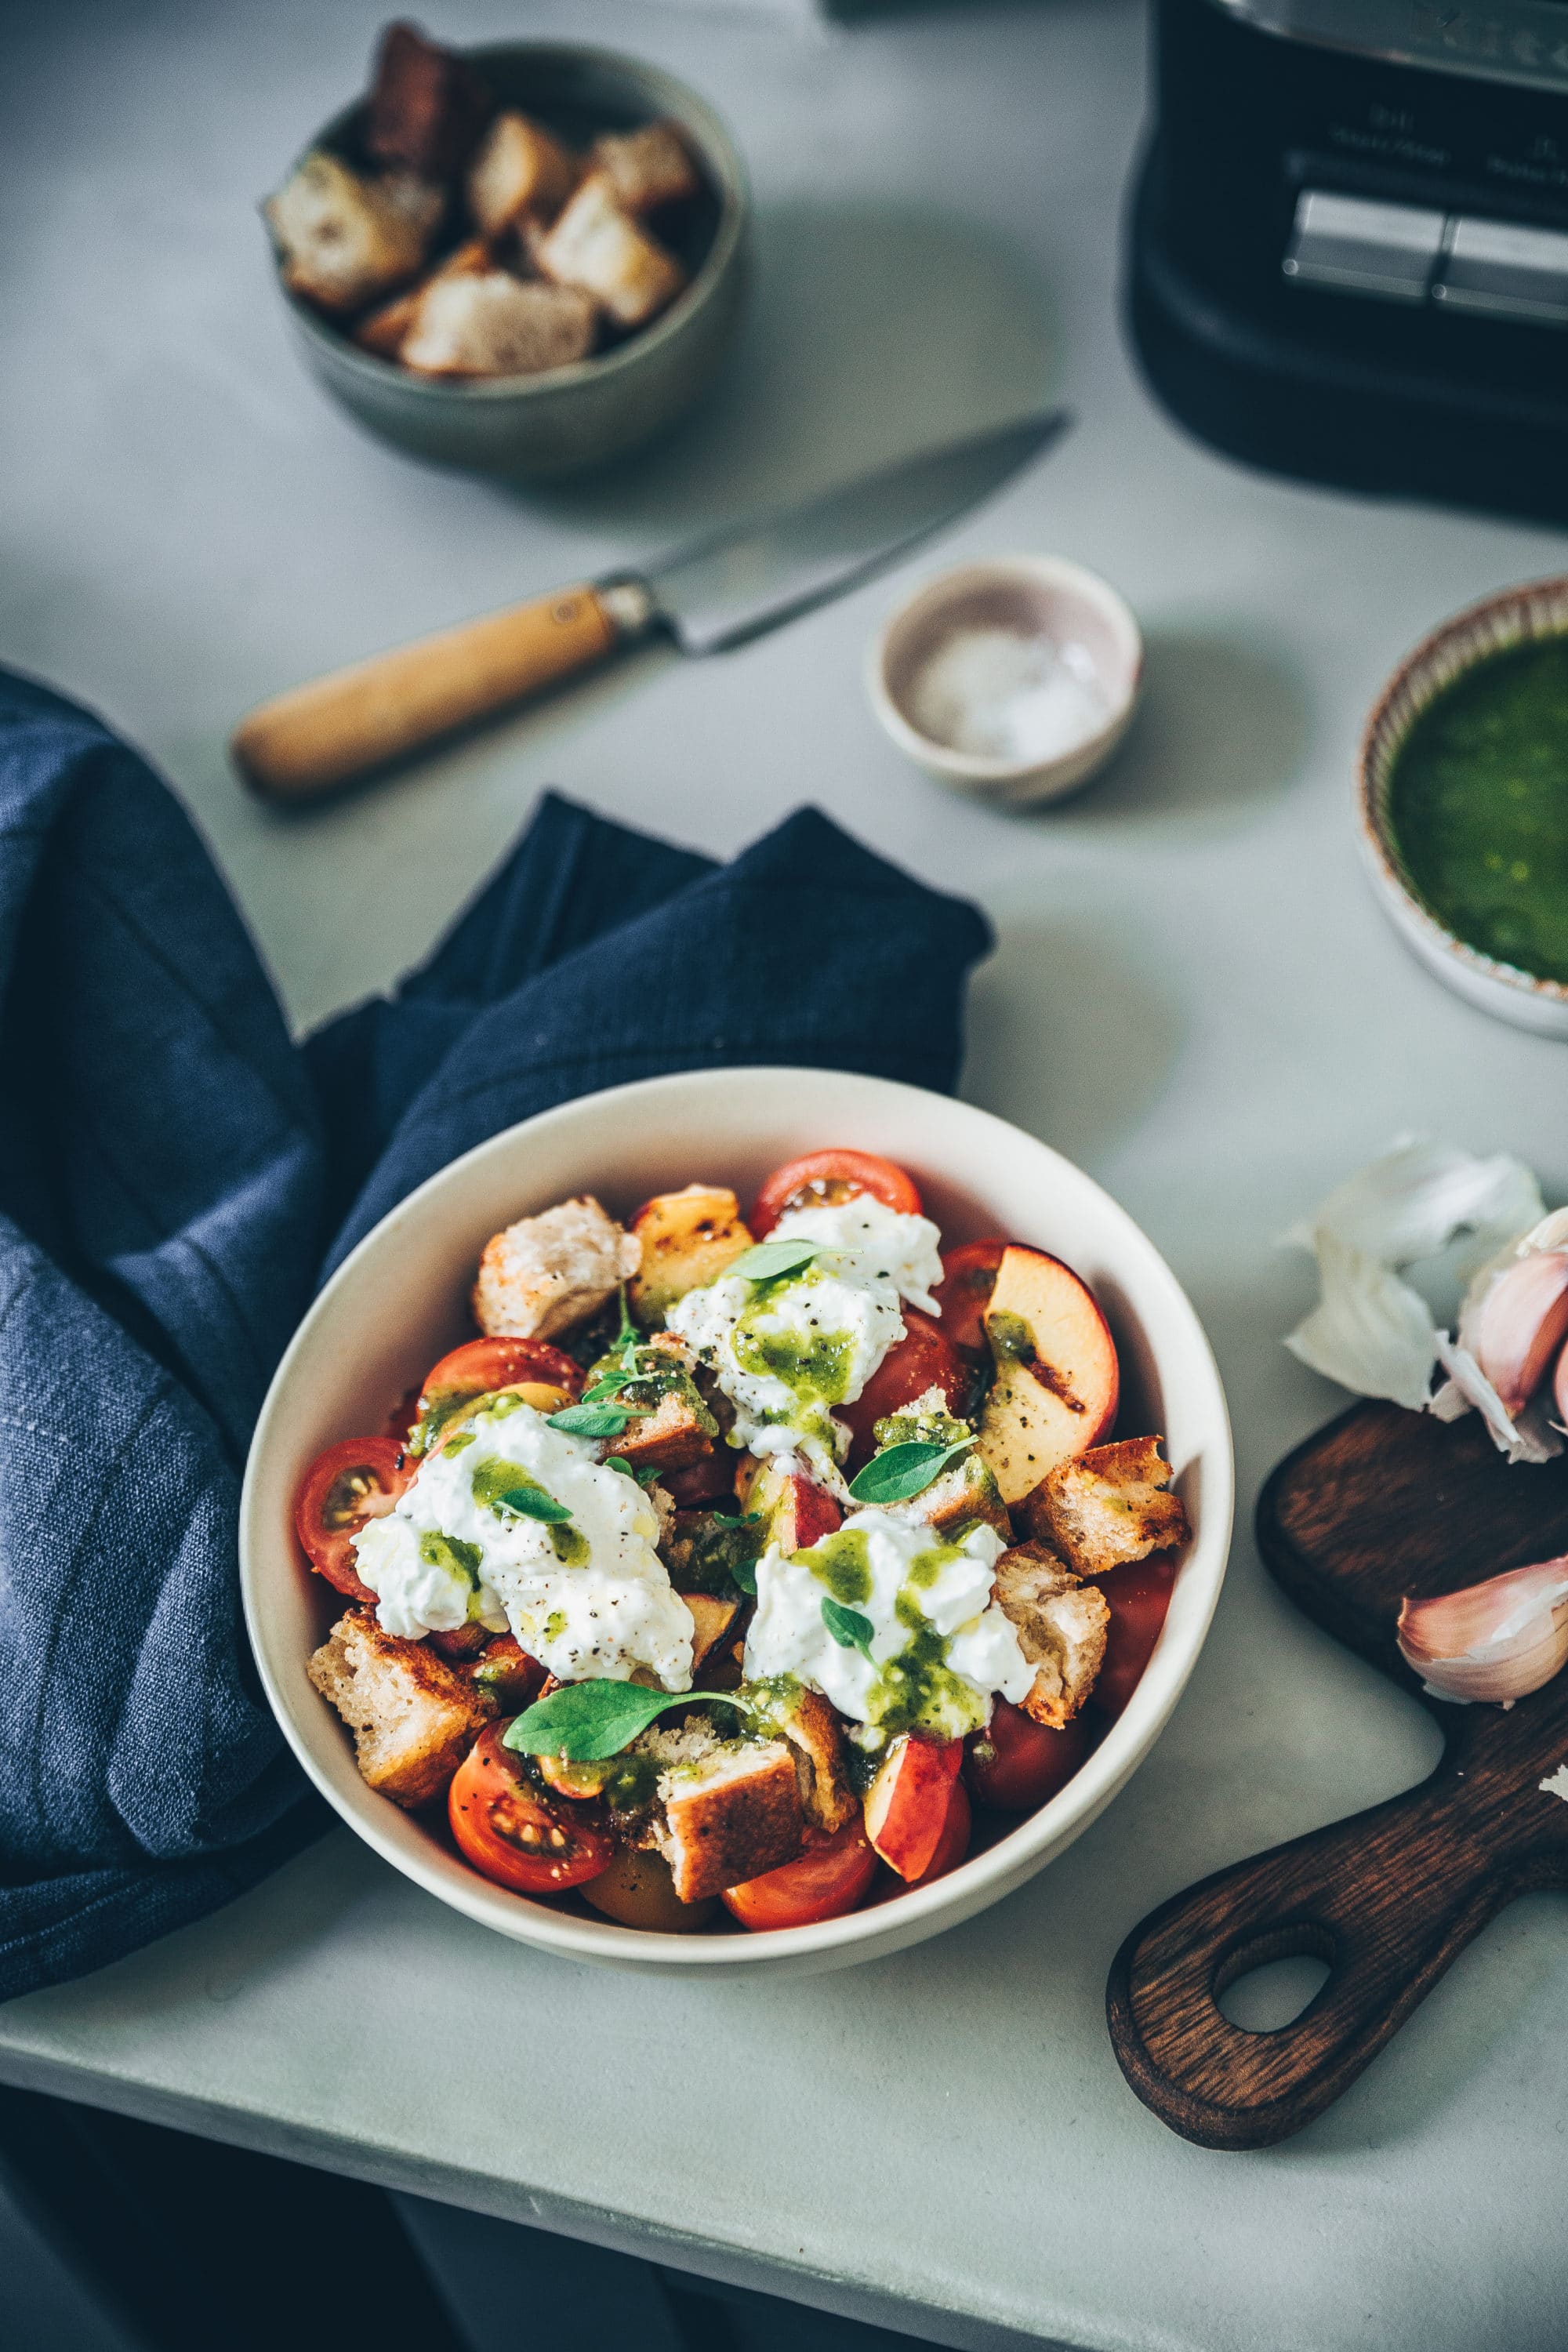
400	1301
1014	678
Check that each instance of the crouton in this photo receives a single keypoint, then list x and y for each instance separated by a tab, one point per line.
597	246
412	1716
384	331
428	105
520	170
645	168
804	1719
1111	1506
1061	1626
673	1427
730	1816
966	1491
495	325
342	240
550	1271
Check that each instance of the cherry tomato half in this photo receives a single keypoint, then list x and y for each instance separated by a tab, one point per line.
1015	1763
968	1279
478	1365
830	1177
358	1480
924	1358
829	1878
509	1828
1138	1595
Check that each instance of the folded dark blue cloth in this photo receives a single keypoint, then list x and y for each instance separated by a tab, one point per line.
177	1176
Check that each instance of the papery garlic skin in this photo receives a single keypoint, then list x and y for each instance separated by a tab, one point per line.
1497	1640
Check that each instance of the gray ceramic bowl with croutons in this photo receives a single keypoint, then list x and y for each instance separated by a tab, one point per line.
634	377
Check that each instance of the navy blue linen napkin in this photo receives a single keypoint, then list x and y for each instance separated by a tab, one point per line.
177	1176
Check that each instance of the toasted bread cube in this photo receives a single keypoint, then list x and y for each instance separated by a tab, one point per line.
730	1816
1111	1506
548	1272
342	240
385	329
495	325
597	246
412	1716
646	168
428	105
811	1726
520	170
1061	1626
676	1428
966	1491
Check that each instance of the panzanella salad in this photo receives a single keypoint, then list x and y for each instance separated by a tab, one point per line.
738	1559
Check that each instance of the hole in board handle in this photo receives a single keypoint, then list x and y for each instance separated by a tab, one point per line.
1269	1981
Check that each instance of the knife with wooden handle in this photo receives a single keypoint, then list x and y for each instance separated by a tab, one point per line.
708	598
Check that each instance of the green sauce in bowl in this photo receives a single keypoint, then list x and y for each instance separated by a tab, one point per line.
1477	806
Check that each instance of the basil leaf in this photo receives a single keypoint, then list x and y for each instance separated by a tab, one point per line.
900	1471
531	1503
750	1520
610	1385
628	1336
591	1420
645	1477
770	1261
586	1722
743	1572
847	1627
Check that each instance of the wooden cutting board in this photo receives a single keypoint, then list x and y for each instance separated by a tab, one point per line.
1380	1504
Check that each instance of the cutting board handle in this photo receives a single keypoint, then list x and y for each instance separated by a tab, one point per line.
1387	1898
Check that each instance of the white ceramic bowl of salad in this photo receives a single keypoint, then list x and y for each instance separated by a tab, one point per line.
402	1300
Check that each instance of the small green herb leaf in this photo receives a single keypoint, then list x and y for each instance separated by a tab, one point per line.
770	1261
532	1503
645	1477
586	1722
847	1627
743	1572
592	1419
610	1385
749	1521
900	1471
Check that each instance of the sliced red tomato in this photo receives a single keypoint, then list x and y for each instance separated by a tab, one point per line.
509	1828
924	1358
1015	1763
481	1365
829	1177
1138	1596
358	1480
830	1877
968	1279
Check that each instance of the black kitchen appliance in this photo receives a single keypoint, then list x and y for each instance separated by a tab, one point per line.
1349	241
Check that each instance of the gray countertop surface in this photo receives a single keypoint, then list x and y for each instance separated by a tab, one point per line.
1194	996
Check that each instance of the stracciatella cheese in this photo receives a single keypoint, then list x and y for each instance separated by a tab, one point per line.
586	1596
939	1646
787	1352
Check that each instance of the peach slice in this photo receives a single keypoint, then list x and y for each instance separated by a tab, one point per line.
907	1804
688	1239
796	1512
1058	1382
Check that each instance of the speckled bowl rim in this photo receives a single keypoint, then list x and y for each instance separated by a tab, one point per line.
981	768
1538	609
727	173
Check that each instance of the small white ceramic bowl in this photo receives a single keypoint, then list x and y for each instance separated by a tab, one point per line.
1029	596
400	1301
1539	610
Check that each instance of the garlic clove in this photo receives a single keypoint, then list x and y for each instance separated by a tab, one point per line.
1521	1324
1499	1640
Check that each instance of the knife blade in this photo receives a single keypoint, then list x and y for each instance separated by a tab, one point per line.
719	593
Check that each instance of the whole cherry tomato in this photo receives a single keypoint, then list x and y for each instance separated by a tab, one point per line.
1015	1763
826	1178
924	1358
509	1828
1138	1596
968	1279
480	1366
829	1878
343	1488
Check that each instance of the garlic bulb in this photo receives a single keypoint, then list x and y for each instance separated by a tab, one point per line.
1520	1323
1493	1640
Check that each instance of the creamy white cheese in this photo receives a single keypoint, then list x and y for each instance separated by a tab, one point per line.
903	1250
588	1597
940	1648
786	1353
